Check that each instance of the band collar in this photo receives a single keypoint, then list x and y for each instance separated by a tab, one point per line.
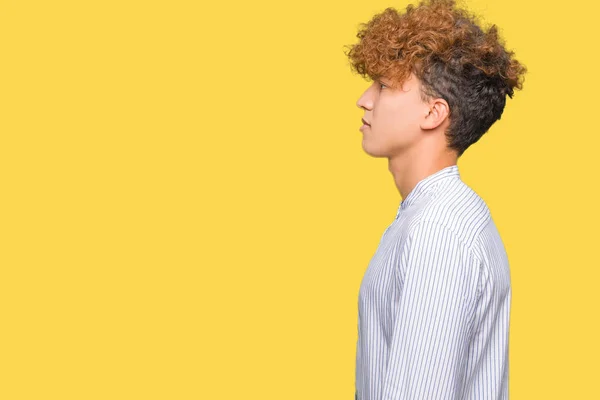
427	183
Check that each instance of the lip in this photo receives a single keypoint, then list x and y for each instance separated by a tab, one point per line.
365	122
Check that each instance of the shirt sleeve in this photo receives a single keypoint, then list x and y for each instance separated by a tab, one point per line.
429	343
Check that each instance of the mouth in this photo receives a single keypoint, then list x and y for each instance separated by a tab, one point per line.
365	122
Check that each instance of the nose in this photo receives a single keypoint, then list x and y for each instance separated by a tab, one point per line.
365	101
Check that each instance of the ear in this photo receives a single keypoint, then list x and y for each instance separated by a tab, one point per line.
436	112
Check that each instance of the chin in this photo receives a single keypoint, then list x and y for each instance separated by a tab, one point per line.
373	151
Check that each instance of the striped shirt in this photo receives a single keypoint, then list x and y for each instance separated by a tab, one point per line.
434	302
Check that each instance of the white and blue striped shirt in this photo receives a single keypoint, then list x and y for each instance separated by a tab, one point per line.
434	302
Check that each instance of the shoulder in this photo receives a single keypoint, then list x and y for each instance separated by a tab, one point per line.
455	208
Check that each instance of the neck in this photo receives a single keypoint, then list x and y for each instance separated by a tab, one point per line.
408	170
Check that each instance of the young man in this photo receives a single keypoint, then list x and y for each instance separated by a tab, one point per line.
434	303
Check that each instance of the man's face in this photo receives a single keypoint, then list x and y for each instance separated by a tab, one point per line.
394	116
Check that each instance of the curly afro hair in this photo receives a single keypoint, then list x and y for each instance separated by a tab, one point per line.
452	57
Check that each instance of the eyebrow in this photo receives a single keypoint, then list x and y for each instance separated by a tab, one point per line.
387	83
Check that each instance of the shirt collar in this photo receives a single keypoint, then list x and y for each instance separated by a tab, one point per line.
427	184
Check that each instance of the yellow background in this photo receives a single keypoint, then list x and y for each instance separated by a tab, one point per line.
187	211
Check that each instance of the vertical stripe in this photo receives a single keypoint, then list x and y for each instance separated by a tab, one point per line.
434	302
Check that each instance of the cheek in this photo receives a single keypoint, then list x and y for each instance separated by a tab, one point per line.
386	119
391	123
403	119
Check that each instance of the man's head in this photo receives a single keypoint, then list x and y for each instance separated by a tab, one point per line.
401	122
445	80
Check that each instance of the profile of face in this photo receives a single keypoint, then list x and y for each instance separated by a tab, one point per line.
396	117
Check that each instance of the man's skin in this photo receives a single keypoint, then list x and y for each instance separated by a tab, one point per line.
406	130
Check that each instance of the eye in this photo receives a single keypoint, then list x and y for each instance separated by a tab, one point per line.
382	85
